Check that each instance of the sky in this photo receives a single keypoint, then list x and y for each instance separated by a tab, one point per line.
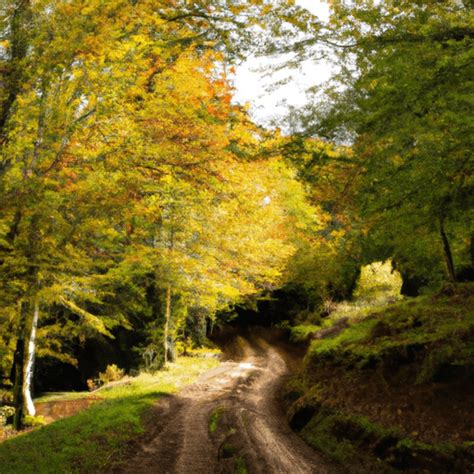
251	85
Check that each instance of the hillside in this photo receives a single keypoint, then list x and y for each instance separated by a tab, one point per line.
394	389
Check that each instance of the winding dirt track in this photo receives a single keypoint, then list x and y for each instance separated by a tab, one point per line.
251	429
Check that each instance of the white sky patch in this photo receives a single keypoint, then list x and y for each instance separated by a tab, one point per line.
254	87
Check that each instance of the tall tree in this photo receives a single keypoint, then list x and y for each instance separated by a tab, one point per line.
402	98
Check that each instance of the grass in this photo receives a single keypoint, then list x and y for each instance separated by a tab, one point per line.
360	308
442	323
302	331
94	438
214	419
240	466
204	352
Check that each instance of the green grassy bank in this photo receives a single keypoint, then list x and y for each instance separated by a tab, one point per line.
98	436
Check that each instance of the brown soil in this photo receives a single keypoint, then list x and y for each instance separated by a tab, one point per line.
251	430
52	411
431	413
55	410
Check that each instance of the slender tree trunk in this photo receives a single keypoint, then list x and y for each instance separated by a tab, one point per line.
30	363
19	364
448	256
19	38
471	249
167	321
24	333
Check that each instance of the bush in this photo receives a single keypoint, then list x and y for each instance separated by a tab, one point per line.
6	397
378	281
184	347
152	356
111	374
34	421
307	317
6	412
93	384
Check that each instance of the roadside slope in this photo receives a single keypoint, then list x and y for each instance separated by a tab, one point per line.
393	390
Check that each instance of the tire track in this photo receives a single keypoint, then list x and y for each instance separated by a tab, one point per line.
252	430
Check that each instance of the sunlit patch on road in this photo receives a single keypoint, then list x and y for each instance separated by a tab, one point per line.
246	365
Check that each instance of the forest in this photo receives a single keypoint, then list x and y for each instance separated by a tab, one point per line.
149	223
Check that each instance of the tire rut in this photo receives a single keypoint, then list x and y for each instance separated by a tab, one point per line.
252	429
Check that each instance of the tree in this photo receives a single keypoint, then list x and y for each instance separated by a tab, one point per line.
124	164
402	99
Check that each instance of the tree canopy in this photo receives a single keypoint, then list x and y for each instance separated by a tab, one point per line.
136	196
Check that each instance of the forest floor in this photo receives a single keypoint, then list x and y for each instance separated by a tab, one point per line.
230	421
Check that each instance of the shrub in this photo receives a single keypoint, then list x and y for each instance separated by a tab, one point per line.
152	356
184	347
93	384
34	421
6	412
378	281
307	317
111	374
6	397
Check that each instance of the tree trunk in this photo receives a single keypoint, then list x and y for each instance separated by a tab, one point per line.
471	250
20	356
18	364
18	35
30	363
167	321
448	256
198	321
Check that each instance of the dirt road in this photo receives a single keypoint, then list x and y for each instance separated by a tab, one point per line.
228	421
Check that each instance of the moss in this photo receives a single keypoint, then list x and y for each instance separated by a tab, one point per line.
294	389
341	437
301	332
240	466
356	442
410	454
214	419
228	451
348	338
439	328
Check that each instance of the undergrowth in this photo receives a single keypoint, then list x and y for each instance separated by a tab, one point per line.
214	419
439	326
413	342
377	288
357	442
